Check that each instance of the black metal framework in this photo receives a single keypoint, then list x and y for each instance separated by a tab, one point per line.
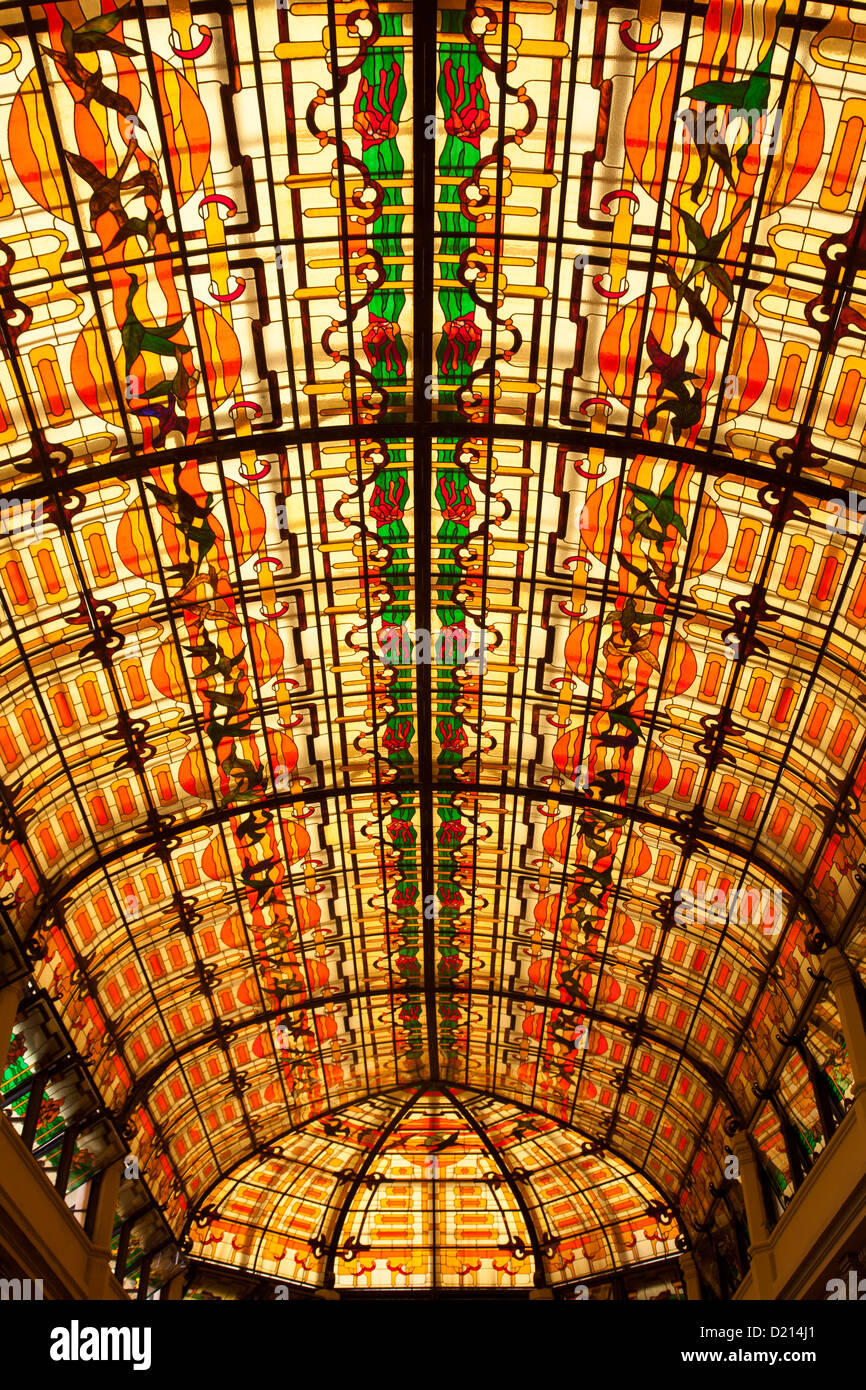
424	24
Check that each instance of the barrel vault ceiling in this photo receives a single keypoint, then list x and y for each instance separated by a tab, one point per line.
432	572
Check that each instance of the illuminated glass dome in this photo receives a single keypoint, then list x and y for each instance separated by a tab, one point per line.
433	596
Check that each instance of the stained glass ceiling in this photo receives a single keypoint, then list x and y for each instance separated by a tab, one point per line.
433	596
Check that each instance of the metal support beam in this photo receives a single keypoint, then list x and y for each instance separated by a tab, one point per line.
64	1163
363	1170
703	459
144	1275
512	1184
208	1037
34	1106
634	815
424	19
123	1246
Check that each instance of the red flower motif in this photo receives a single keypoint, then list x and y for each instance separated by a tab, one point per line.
397	740
385	510
391	641
451	833
468	119
464	340
456	508
453	737
401	832
380	339
376	123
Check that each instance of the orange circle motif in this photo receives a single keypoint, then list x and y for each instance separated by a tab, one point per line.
31	148
94	377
